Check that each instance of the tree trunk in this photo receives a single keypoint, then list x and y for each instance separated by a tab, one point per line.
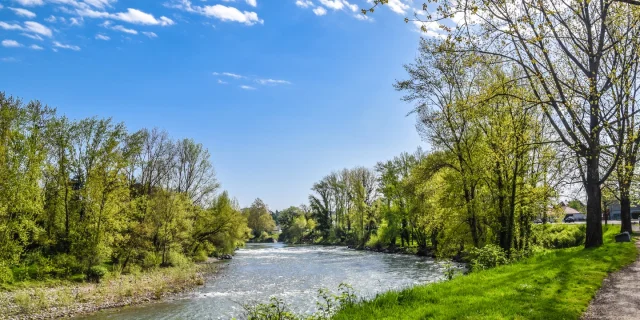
594	209
625	209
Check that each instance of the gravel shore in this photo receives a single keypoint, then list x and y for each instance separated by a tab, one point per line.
66	300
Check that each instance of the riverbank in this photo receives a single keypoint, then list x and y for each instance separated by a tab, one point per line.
555	284
63	298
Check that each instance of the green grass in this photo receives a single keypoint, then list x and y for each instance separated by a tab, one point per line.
555	284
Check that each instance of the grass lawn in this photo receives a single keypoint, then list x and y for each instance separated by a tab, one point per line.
556	284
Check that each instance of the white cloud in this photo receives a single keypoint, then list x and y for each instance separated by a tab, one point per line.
76	21
320	11
338	4
29	27
245	87
30	3
430	29
252	3
38	28
23	12
123	29
272	81
150	34
398	6
138	17
222	82
304	3
1	6
35	47
100	3
220	12
65	46
9	59
8	26
363	17
133	16
11	44
51	19
333	4
231	14
102	37
33	36
229	74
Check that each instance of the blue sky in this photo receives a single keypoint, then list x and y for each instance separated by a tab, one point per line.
282	92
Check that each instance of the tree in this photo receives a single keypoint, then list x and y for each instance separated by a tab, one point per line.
259	218
569	54
194	173
76	194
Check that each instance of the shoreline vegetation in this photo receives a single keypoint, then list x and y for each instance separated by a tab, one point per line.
553	284
550	284
93	215
58	299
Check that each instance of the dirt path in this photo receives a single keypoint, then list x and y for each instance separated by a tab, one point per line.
619	297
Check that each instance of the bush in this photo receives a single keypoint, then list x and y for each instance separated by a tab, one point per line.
276	309
96	273
23	300
487	257
200	256
373	242
559	236
151	260
6	275
177	259
65	265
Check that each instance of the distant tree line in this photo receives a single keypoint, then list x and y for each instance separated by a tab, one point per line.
79	194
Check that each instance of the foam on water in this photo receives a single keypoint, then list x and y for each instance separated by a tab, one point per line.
292	273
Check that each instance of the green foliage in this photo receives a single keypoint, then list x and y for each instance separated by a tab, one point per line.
555	284
450	271
327	306
259	219
558	236
96	273
276	309
374	242
489	256
81	194
6	274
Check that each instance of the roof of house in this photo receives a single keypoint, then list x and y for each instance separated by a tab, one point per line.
569	210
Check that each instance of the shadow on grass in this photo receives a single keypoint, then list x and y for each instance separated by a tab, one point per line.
557	284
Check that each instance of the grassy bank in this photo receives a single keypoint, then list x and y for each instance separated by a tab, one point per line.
52	299
555	284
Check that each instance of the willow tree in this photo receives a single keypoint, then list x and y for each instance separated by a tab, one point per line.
567	51
443	87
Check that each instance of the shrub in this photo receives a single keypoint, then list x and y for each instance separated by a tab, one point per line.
373	242
387	235
6	275
65	265
200	256
177	259
96	273
151	260
23	300
559	236
276	309
487	257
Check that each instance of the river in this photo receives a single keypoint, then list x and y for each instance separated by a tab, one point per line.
292	273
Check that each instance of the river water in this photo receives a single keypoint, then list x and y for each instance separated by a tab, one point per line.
292	273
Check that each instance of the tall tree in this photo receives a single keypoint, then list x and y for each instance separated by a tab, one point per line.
568	54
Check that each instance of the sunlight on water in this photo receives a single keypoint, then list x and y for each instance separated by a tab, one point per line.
293	273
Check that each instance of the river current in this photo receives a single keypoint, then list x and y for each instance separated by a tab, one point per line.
291	273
